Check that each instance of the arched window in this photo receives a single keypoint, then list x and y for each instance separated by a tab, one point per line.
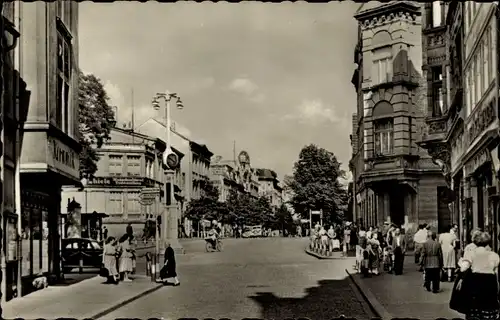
383	136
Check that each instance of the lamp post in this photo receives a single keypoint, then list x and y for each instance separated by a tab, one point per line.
169	217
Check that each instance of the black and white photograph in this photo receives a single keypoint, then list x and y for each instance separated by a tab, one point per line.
259	160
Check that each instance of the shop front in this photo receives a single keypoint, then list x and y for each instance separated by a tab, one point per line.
480	203
40	220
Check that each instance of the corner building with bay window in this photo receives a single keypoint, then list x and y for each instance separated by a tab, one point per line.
47	59
394	179
464	134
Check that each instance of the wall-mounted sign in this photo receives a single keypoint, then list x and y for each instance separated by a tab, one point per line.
119	181
481	158
63	158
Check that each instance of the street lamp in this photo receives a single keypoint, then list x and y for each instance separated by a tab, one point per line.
169	172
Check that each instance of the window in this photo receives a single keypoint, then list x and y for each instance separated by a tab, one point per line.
63	9
384	137
115	202
437	91
477	72
486	60
63	82
133	205
468	91
115	165
493	51
36	255
72	245
382	71
436	14
133	165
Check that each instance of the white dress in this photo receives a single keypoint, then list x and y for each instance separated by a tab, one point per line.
447	241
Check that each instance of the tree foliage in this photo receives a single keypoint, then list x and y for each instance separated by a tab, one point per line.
96	118
314	184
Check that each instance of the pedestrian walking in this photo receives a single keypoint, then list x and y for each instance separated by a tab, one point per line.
133	248
448	241
481	285
109	260
125	264
420	237
169	269
399	249
347	240
105	233
431	259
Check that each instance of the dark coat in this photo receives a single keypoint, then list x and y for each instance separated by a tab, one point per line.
169	269
431	255
402	243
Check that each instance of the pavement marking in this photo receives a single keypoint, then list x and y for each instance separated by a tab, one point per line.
125	302
379	310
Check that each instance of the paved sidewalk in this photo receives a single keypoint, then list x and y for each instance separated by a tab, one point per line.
404	296
87	299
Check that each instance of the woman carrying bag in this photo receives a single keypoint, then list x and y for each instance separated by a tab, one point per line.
169	267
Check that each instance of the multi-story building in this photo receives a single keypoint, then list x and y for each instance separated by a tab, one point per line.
463	135
225	177
269	186
393	179
196	166
128	162
48	145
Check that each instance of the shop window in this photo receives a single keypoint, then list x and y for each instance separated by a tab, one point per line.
115	165
34	236
133	165
384	136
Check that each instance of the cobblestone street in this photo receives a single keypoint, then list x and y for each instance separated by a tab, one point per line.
264	278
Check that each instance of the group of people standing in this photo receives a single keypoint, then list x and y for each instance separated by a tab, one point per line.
119	259
332	239
378	248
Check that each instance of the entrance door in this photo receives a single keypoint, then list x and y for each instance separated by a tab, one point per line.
397	204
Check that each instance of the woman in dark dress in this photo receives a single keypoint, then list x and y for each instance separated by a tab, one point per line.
169	267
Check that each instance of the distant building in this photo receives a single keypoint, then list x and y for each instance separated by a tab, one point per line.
269	186
225	177
129	162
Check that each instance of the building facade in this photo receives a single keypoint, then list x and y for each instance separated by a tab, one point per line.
394	180
269	187
48	145
128	162
225	177
463	136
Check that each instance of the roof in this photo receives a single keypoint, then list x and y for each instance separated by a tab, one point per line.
375	8
266	174
201	147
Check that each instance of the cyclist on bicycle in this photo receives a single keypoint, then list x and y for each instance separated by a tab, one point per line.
213	236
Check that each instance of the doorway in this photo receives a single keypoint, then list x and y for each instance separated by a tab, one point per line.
397	204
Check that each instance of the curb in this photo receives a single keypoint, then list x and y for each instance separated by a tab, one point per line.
124	302
379	310
321	257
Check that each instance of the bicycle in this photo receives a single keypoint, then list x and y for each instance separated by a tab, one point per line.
209	247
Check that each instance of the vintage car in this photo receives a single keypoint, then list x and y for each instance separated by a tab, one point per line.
252	232
81	253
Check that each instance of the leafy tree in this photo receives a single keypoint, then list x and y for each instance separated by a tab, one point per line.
314	184
96	118
208	205
284	218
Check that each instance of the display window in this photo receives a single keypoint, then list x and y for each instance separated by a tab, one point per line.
35	233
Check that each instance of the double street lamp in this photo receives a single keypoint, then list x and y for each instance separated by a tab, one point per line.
170	162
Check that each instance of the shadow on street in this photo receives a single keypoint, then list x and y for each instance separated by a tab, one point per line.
330	299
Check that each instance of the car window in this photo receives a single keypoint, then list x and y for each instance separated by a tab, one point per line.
96	245
87	245
72	245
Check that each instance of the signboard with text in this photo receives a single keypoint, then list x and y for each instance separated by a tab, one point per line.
63	158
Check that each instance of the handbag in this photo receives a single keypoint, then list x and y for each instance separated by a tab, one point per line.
459	295
103	272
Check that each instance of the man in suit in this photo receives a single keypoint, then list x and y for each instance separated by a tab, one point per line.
432	260
399	250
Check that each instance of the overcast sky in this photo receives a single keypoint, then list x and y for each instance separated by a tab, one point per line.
272	77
